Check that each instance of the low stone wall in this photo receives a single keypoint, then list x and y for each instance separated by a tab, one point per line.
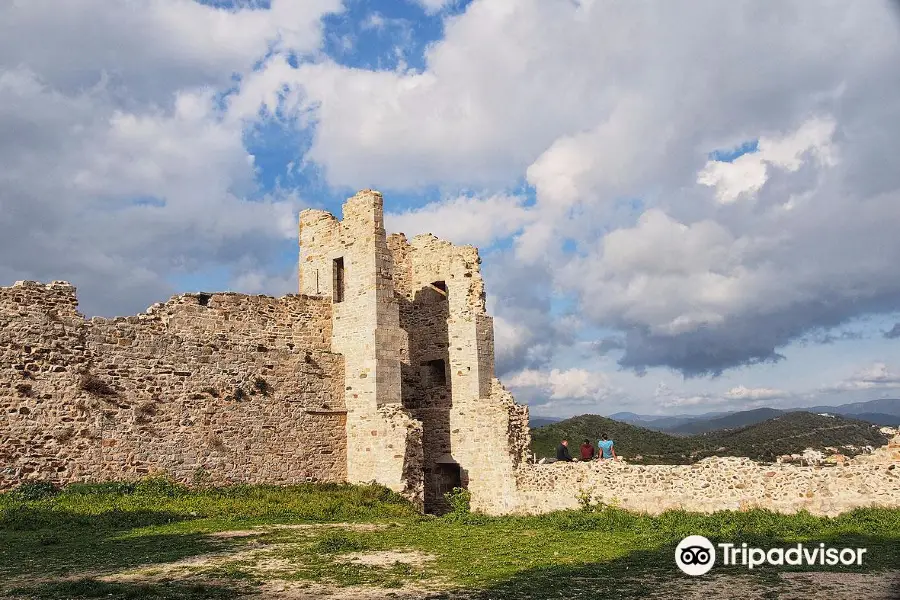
226	387
714	484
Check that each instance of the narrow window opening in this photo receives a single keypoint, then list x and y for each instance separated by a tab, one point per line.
317	283
435	372
338	295
203	299
441	286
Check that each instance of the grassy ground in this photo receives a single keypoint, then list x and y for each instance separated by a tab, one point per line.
158	540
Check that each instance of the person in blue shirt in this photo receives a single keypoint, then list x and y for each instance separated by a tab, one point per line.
605	448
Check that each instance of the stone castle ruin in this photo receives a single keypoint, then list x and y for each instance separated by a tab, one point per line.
381	369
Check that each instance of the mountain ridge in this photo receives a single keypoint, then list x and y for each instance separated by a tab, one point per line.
788	433
882	411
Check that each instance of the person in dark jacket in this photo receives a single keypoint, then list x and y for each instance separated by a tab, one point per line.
562	451
587	450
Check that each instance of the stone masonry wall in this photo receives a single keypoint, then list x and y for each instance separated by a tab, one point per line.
472	429
714	484
229	387
383	441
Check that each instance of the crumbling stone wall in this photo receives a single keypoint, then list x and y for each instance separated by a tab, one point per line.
348	261
473	432
381	370
713	484
220	386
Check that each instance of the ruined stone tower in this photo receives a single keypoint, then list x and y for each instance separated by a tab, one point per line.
424	411
381	369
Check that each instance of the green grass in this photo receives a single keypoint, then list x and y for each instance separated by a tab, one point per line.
63	544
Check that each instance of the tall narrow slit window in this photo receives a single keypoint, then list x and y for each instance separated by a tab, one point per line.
338	279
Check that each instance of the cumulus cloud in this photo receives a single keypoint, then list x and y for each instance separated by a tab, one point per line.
744	393
569	384
700	282
127	167
878	376
464	219
117	154
746	175
668	398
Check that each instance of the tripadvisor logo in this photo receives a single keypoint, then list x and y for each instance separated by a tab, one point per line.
696	555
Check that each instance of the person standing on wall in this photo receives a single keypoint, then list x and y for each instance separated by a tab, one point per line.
562	451
587	451
605	448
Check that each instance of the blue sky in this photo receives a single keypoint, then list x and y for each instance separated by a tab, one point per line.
660	231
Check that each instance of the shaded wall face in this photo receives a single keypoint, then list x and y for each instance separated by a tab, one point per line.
441	299
218	387
427	390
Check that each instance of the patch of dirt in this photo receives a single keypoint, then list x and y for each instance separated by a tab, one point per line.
180	567
347	526
388	558
314	591
796	586
844	586
226	535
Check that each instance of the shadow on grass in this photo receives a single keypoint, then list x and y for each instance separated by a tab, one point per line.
41	542
653	574
92	588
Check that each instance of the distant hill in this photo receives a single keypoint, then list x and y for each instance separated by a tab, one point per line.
787	433
879	419
881	406
629	439
732	421
883	411
541	421
662	422
791	433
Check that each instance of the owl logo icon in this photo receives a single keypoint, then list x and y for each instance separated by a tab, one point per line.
695	555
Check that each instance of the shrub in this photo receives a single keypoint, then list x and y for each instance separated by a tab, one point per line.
201	477
36	490
339	542
118	488
460	501
585	500
160	486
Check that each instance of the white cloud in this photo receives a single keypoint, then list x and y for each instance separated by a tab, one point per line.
737	398
464	219
744	393
149	50
120	158
574	384
560	92
878	376
434	6
747	174
115	154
